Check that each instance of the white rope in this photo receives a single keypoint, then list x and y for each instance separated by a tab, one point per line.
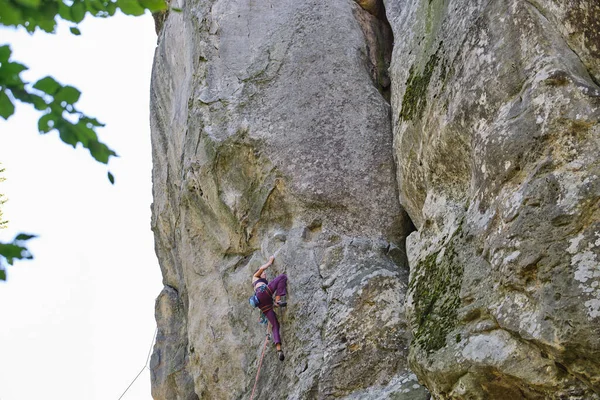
145	365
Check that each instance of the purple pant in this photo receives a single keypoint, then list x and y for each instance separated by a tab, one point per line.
278	287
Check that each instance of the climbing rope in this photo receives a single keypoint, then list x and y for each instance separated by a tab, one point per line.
261	360
145	365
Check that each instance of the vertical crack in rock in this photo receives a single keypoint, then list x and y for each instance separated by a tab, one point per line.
379	39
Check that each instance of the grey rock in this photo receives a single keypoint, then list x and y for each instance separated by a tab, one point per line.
168	364
271	135
496	111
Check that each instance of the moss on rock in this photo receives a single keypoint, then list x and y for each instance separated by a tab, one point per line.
415	96
436	297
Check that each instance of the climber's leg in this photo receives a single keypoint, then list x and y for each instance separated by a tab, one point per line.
279	287
272	317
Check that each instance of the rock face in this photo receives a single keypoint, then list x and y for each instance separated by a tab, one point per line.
272	134
496	110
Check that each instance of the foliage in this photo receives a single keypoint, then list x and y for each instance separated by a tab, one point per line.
3	223
14	250
56	102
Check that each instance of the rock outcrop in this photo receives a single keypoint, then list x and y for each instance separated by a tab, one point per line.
497	137
273	133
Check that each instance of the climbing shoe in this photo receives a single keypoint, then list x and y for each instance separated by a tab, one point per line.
280	302
280	355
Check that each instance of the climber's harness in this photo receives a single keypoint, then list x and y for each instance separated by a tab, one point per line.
254	302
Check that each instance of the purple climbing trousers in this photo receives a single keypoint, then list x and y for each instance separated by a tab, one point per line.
277	287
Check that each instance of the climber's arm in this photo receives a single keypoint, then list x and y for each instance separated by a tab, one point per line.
258	273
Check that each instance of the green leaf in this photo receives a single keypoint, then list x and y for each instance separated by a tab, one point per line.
84	134
47	85
45	15
68	94
10	15
91	121
4	53
7	108
154	5
100	151
111	8
75	31
38	102
2	275
111	178
78	11
131	7
25	236
95	7
13	68
67	133
44	123
47	25
176	9
11	251
29	3
64	11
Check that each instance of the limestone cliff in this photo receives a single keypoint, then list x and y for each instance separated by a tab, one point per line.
497	137
280	127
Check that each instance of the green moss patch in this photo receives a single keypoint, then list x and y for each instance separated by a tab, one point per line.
415	96
436	296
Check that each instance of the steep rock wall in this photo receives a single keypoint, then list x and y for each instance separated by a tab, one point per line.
496	110
271	135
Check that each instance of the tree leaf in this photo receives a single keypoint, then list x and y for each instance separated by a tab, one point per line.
4	53
11	251
111	8
84	134
100	151
10	15
64	11
154	5
44	123
78	11
75	31
7	108
111	178
68	94
25	236
95	7
131	7
91	121
66	133
11	72
28	3
38	102
47	85
47	25
2	275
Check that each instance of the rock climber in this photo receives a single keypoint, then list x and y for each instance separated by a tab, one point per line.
265	291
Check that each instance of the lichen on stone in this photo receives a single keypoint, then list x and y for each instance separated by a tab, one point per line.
417	85
436	285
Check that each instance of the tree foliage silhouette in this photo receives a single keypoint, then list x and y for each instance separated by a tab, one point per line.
55	101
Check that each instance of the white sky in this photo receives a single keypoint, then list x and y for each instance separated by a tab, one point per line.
77	321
